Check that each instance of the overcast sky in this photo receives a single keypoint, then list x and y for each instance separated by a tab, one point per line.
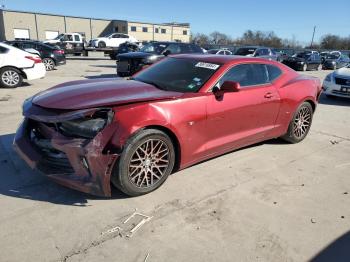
286	18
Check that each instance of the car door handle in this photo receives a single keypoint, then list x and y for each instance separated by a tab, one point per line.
268	95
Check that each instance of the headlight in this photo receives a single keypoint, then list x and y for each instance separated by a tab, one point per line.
300	62
88	127
328	78
150	59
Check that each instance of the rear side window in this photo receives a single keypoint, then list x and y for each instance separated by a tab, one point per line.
28	45
76	38
247	75
274	72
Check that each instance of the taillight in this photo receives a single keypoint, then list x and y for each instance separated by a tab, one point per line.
36	59
59	52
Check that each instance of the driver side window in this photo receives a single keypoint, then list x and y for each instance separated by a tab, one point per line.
246	75
68	38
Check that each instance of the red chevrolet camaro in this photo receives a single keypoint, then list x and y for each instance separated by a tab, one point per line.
182	110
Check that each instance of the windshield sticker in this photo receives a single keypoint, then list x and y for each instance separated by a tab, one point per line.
196	79
191	86
207	65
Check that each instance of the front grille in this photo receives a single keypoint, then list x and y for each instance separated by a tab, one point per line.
342	81
338	92
128	65
53	161
51	165
123	66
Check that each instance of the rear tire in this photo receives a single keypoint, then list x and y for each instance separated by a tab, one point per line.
10	77
146	162
300	124
101	44
49	64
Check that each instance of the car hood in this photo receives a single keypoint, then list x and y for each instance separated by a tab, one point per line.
345	71
98	93
52	41
132	55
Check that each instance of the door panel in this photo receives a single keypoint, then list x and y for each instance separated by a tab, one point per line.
241	118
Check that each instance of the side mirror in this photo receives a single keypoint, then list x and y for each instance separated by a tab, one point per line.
226	87
167	52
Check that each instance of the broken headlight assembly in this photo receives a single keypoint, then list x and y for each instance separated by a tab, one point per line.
88	126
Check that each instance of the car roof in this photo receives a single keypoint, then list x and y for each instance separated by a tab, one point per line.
171	42
220	59
254	46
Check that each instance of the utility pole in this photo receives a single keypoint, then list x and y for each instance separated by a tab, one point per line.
313	35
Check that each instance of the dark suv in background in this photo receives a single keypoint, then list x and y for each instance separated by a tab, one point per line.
52	56
257	51
304	61
335	61
130	63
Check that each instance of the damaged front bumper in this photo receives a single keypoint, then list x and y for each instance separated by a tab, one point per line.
83	164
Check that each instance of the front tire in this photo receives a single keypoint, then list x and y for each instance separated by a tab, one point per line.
304	67
147	160
49	64
300	125
10	77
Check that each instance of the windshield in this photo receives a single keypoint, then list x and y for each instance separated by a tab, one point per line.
106	36
178	75
58	37
154	48
245	51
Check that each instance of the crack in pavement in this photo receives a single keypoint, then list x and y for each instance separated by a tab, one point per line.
178	207
331	135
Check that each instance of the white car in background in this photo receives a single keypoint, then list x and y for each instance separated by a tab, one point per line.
16	65
337	83
112	40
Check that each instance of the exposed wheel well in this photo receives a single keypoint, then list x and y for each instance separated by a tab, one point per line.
175	141
313	105
18	69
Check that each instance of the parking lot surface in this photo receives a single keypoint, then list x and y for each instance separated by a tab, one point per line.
269	202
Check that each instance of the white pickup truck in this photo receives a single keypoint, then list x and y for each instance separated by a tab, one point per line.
72	43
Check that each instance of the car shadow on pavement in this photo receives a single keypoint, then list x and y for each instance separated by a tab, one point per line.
104	66
20	181
338	250
334	101
87	58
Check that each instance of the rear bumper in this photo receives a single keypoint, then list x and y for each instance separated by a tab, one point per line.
36	72
76	163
